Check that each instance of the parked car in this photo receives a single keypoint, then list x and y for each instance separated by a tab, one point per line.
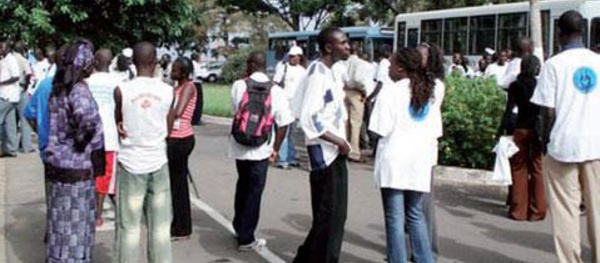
211	72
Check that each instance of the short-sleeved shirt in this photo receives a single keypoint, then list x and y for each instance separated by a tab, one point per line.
319	105
407	150
102	85
293	75
281	112
569	84
9	68
383	71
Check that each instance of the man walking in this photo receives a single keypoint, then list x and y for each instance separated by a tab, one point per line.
569	94
10	94
319	105
25	71
252	162
144	118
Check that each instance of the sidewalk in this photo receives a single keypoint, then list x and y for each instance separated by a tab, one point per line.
22	215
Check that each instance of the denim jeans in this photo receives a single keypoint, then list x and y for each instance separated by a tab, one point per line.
8	127
400	207
287	152
252	177
148	195
24	125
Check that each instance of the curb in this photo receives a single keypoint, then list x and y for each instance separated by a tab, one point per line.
442	173
3	186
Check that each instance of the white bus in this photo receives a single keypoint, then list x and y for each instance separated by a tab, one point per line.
472	29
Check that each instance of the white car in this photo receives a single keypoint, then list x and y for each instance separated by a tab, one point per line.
211	72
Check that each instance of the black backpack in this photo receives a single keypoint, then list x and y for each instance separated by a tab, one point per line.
253	120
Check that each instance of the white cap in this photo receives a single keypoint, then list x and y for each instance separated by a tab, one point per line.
490	51
128	52
295	51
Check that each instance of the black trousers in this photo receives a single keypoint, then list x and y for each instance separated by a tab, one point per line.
252	177
197	117
178	152
329	197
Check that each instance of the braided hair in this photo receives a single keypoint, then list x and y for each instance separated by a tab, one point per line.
75	64
421	82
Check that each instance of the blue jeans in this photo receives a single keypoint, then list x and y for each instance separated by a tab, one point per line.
287	152
24	125
402	206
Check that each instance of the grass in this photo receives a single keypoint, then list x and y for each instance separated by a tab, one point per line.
217	100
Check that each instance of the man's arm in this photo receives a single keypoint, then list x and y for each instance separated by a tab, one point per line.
342	145
9	81
279	137
119	113
544	125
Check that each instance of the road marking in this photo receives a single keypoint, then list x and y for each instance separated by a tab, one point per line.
264	252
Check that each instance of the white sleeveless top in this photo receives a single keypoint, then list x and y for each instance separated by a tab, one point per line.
146	102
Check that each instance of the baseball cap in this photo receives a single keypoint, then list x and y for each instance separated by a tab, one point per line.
295	51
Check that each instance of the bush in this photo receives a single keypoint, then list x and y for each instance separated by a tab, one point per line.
471	112
235	67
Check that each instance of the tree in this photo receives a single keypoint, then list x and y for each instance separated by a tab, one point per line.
536	28
298	14
108	23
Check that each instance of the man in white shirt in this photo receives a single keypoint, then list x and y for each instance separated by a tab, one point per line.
40	69
288	76
523	49
569	94
252	162
319	105
456	68
10	94
144	115
25	71
102	85
498	69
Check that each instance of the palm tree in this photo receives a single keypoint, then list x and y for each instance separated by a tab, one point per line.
536	28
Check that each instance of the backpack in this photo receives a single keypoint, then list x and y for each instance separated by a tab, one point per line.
253	120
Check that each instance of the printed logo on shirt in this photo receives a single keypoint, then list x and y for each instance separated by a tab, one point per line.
419	115
328	96
585	80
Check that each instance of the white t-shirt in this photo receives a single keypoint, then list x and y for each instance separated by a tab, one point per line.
319	105
40	70
360	74
146	103
281	112
407	151
383	71
512	72
292	78
496	71
9	68
569	84
102	85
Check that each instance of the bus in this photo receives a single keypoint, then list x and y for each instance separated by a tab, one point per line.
368	39
471	30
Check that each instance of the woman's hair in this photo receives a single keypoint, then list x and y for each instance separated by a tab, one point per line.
185	64
530	66
421	82
435	61
73	65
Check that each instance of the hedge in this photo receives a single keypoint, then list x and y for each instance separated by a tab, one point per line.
471	113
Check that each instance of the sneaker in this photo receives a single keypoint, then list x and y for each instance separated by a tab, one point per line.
256	244
284	166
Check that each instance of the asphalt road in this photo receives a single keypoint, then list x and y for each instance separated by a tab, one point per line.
471	219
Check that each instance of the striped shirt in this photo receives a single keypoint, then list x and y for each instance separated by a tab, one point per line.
183	125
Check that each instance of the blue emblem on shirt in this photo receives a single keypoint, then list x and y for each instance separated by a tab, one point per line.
585	80
419	115
328	96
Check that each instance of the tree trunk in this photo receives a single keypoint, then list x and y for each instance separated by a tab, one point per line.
536	28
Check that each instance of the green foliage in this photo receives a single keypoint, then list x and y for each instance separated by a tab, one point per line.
217	100
472	112
108	23
235	67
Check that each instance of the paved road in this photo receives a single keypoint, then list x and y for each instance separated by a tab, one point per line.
471	219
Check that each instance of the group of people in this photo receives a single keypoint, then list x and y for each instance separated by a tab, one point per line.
100	131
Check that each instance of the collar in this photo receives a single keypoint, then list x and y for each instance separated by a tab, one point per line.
572	45
259	76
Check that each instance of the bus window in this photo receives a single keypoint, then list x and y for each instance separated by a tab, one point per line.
413	37
431	31
557	35
510	28
401	39
455	35
595	37
483	34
